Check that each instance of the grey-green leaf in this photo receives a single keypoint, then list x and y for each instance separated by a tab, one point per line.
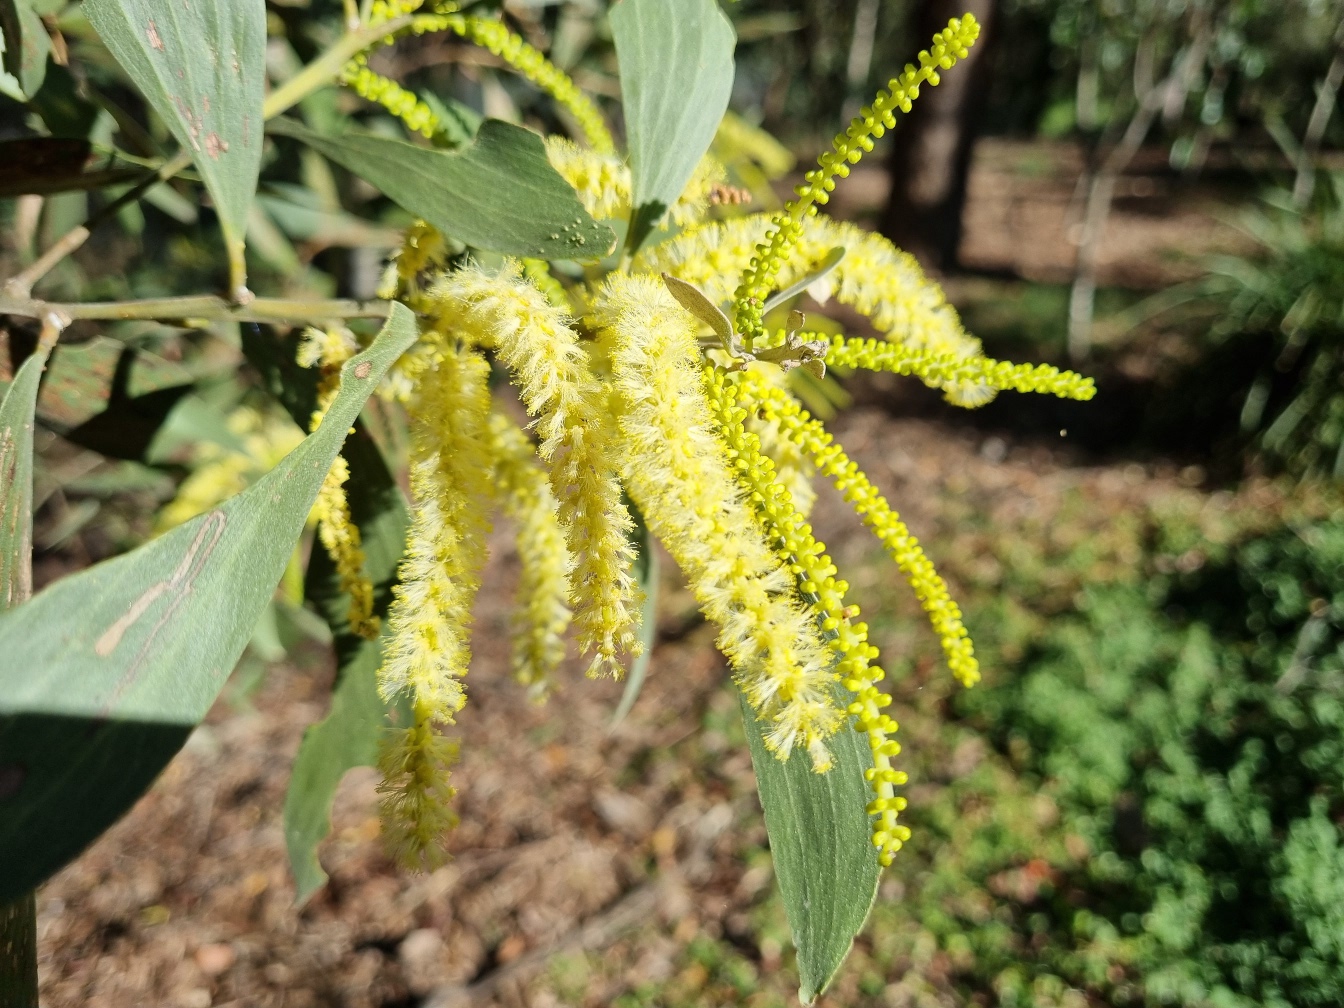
200	65
105	673
823	270
498	193
349	735
646	573
676	62
695	301
820	842
26	45
16	483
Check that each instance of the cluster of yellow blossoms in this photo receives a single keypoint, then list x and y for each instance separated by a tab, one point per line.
636	405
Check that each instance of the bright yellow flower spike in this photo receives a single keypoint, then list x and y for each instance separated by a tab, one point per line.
535	340
676	472
874	511
847	148
405	105
451	495
328	349
950	372
542	612
416	799
793	469
495	36
815	574
602	182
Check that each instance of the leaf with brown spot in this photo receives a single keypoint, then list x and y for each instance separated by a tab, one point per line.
201	67
105	673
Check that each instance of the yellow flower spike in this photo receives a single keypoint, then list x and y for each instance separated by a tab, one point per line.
535	340
949	45
793	469
328	349
430	617
495	36
948	371
542	610
603	182
405	105
415	805
678	474
874	511
792	539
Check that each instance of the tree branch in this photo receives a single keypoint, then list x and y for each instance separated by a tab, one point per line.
202	307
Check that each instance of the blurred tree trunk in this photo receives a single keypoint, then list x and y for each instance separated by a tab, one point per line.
931	148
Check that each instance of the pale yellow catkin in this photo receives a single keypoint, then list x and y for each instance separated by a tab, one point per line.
677	472
535	339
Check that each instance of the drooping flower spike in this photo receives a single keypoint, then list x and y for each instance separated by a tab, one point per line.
663	384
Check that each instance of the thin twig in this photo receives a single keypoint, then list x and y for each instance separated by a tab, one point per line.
202	307
21	284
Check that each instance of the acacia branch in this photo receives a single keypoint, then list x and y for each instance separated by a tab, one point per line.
315	75
205	308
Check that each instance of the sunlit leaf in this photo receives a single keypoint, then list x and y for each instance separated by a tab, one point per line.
16	482
498	193
105	673
200	65
676	64
820	840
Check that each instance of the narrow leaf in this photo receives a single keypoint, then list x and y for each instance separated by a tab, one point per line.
16	482
646	573
26	46
349	735
822	271
497	193
695	301
105	673
200	65
820	841
676	62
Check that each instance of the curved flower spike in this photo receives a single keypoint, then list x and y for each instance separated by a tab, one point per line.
534	338
678	474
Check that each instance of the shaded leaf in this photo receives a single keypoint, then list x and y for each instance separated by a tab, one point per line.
109	397
646	573
26	45
201	66
676	64
820	840
458	123
42	165
499	193
16	482
105	673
